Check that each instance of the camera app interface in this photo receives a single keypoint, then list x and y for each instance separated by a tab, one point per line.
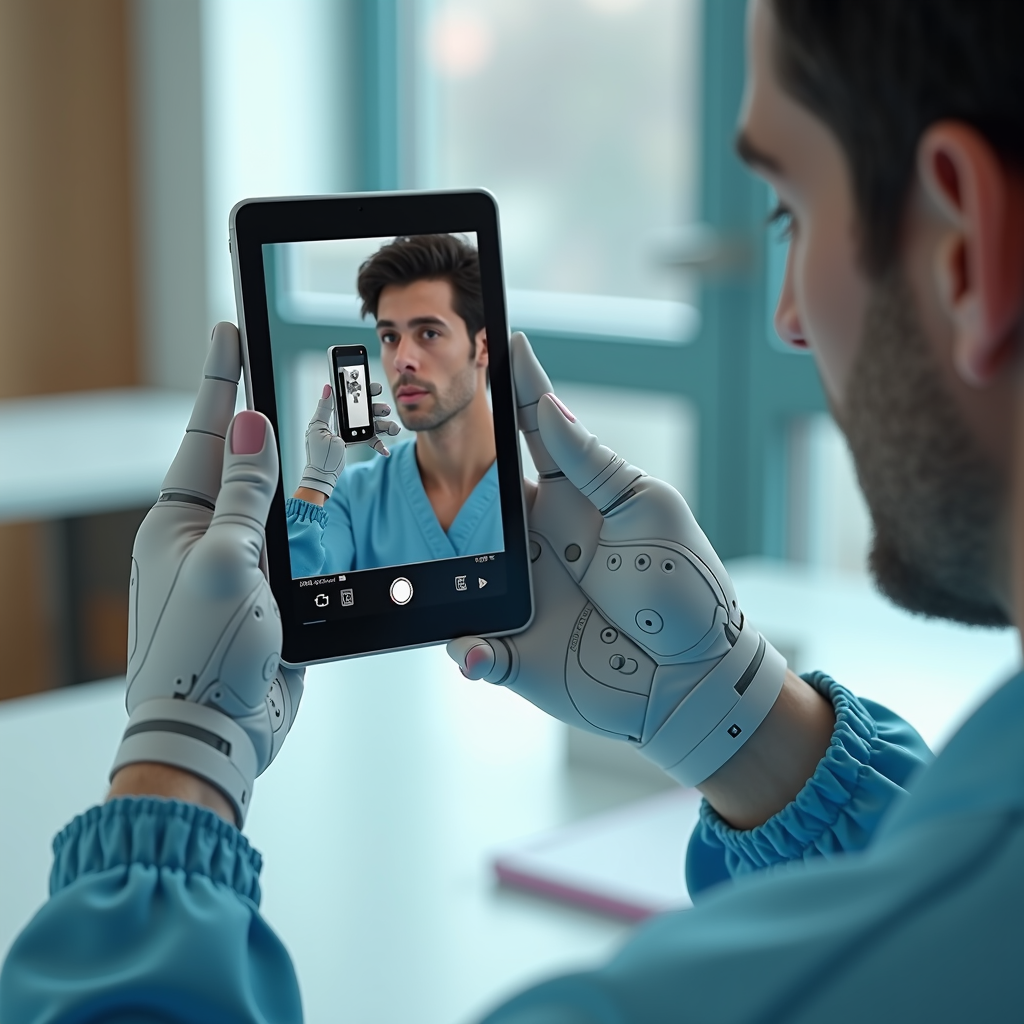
422	523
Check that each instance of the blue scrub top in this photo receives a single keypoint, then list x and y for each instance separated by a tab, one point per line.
380	515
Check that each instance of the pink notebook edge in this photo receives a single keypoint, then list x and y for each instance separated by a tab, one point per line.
564	893
511	875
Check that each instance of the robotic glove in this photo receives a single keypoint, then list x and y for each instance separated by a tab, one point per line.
206	689
637	632
325	451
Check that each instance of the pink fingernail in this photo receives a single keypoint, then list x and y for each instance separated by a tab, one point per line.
248	433
327	391
565	412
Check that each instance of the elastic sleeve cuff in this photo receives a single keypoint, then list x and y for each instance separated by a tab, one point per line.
298	511
156	833
870	758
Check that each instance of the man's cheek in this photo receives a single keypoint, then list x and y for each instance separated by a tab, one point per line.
832	301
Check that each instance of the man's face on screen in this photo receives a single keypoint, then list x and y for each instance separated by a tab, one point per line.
433	368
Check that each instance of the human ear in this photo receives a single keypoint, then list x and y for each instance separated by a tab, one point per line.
482	357
979	262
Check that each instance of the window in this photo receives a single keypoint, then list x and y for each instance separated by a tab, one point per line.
602	130
581	117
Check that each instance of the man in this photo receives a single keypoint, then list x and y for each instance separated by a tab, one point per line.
433	498
869	883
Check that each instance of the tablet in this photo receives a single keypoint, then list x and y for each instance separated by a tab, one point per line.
430	542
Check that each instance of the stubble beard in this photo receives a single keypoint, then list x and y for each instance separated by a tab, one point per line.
934	497
447	405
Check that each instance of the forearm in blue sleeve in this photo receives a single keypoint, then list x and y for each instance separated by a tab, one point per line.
872	755
306	525
922	925
153	916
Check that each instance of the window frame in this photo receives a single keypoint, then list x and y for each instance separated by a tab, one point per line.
745	387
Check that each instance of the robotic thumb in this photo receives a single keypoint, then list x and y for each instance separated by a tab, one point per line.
598	473
249	478
531	383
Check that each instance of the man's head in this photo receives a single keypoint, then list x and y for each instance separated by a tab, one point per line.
893	137
425	293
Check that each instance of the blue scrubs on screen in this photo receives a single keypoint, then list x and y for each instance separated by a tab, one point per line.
379	514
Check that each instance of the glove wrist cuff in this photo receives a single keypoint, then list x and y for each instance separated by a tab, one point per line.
721	713
197	739
317	481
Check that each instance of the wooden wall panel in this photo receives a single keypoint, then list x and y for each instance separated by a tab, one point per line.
68	305
28	660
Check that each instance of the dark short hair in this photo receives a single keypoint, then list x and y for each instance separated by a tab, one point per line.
412	258
880	72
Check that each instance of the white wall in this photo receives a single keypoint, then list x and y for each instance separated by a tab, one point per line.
234	98
170	190
275	112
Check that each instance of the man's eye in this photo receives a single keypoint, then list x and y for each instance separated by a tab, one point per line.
781	218
389	338
430	334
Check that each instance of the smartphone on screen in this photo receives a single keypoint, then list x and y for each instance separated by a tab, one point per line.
353	406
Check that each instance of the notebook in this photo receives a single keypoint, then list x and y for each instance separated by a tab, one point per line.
627	863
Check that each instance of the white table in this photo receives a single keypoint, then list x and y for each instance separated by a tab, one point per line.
90	451
399	778
376	822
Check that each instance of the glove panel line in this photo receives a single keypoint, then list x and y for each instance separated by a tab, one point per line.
620	500
528	417
182	729
196	737
132	677
209	433
744	681
713	581
596	728
706	704
570	652
188	499
610	469
738	725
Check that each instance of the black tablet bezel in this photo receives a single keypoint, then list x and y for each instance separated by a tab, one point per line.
259	222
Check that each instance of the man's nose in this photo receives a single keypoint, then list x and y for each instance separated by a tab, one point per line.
787	315
787	326
406	355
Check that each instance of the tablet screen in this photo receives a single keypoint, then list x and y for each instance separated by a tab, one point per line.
409	547
434	498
